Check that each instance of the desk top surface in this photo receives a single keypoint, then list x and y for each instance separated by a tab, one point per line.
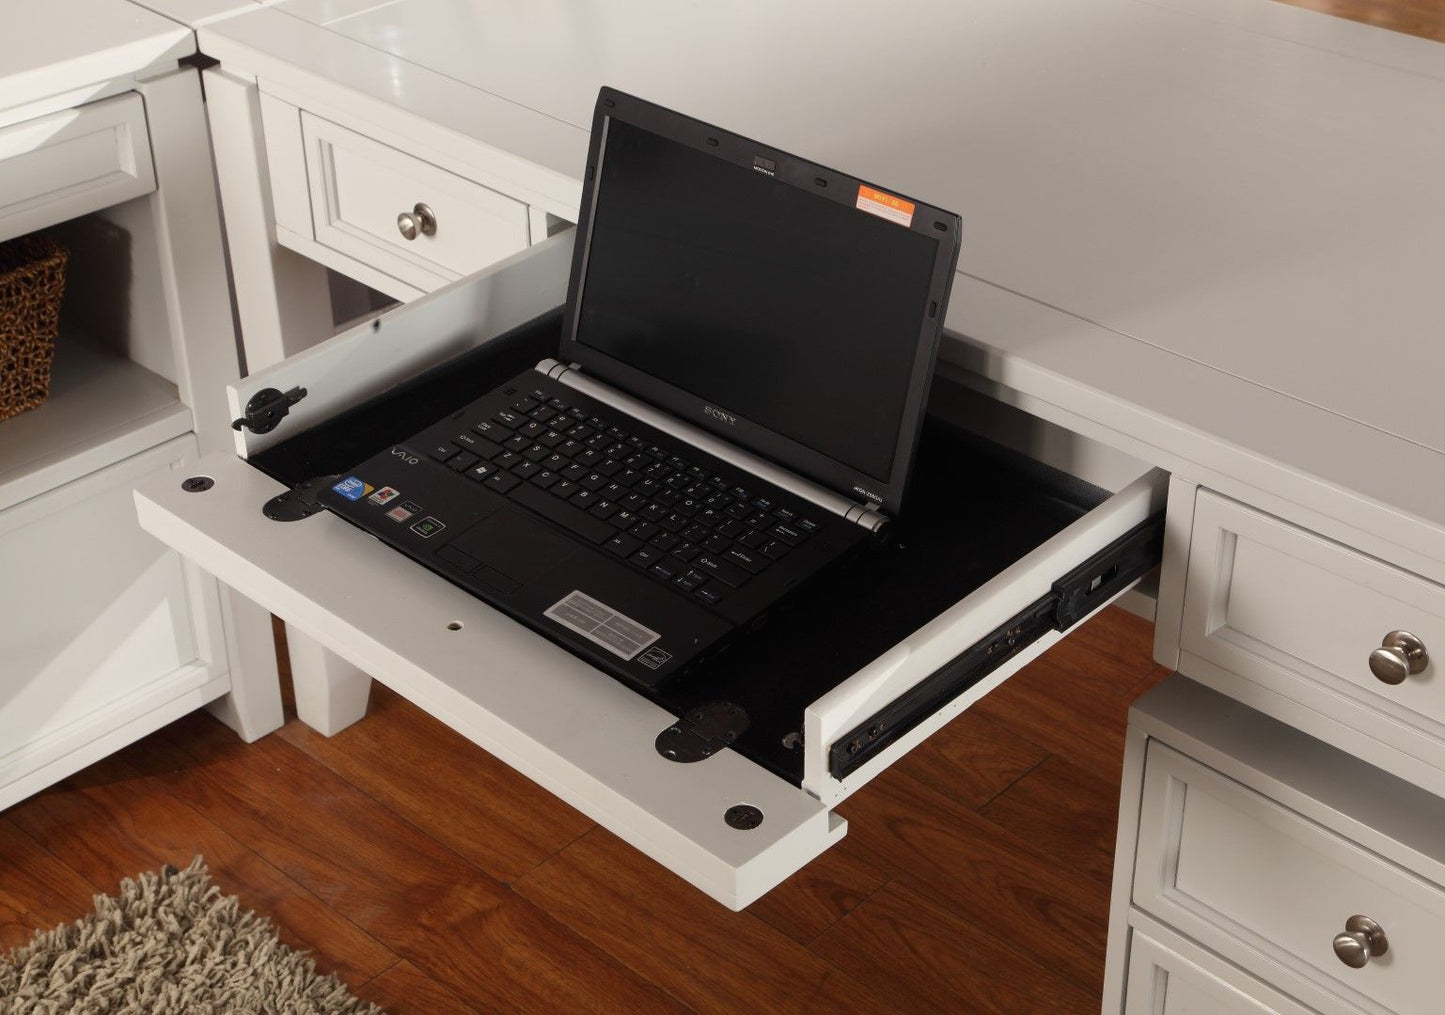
1249	189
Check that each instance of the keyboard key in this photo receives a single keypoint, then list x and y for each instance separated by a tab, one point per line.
535	453
622	544
716	544
543	414
745	560
710	596
488	449
686	551
608	467
550	439
559	511
644	530
524	404
624	519
774	550
574	472
545	478
763	504
739	510
724	571
515	443
613	492
481	471
787	534
707	517
526	469
633	502
674	522
584	499
442	452
580	432
731	527
687	506
593	481
603	509
467	440
564	489
555	462
807	525
667	498
759	520
653	512
531	429
502	482
683	582
664	540
661	571
508	418
752	539
464	460
587	457
787	515
627	477
647	556
507	459
695	533
489	429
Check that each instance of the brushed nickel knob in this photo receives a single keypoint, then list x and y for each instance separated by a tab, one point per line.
1400	655
1362	940
420	221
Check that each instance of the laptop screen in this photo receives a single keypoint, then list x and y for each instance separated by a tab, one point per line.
782	305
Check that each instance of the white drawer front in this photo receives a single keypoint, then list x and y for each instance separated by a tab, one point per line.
1270	890
73	162
359	187
103	623
1301	615
1180	978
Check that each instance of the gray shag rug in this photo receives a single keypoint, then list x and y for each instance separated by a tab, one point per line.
169	943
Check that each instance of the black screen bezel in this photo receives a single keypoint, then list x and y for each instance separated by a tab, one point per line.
941	226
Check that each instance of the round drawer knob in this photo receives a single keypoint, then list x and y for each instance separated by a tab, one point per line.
420	221
1399	655
1362	940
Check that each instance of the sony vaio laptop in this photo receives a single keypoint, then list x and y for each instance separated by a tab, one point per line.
747	347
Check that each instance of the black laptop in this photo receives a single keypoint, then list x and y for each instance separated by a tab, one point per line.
746	352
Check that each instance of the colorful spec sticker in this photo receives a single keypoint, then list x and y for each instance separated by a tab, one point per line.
352	488
403	511
894	209
385	494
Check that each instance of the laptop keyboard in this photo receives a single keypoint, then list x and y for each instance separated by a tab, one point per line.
656	508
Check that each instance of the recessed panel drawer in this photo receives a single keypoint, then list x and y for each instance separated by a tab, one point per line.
585	736
1302	616
1271	890
65	164
1170	975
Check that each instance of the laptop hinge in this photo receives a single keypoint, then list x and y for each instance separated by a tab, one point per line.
866	515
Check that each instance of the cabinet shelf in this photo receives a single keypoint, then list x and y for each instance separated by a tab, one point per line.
102	408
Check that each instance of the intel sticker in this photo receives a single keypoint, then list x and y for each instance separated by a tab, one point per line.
352	488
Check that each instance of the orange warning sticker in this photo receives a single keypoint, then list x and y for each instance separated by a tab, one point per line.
895	209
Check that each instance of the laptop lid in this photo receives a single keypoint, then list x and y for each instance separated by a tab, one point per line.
790	308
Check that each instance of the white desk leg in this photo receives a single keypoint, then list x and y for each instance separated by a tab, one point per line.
283	304
253	707
331	693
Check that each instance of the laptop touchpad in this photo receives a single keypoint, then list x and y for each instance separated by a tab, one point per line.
512	549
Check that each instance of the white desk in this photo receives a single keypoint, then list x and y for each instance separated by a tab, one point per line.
1207	234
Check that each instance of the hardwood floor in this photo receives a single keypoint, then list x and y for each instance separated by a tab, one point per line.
432	878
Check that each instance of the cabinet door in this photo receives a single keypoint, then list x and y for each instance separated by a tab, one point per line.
109	633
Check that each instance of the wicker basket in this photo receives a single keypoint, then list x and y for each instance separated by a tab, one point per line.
32	280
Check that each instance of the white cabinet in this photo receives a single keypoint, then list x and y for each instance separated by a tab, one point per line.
106	633
1263	846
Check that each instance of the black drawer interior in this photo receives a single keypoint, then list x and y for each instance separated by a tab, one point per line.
973	509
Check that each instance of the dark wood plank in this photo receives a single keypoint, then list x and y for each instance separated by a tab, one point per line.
979	871
444	784
113	822
406	990
1064	810
492	949
904	946
1124	643
712	959
820	894
972	759
37	891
